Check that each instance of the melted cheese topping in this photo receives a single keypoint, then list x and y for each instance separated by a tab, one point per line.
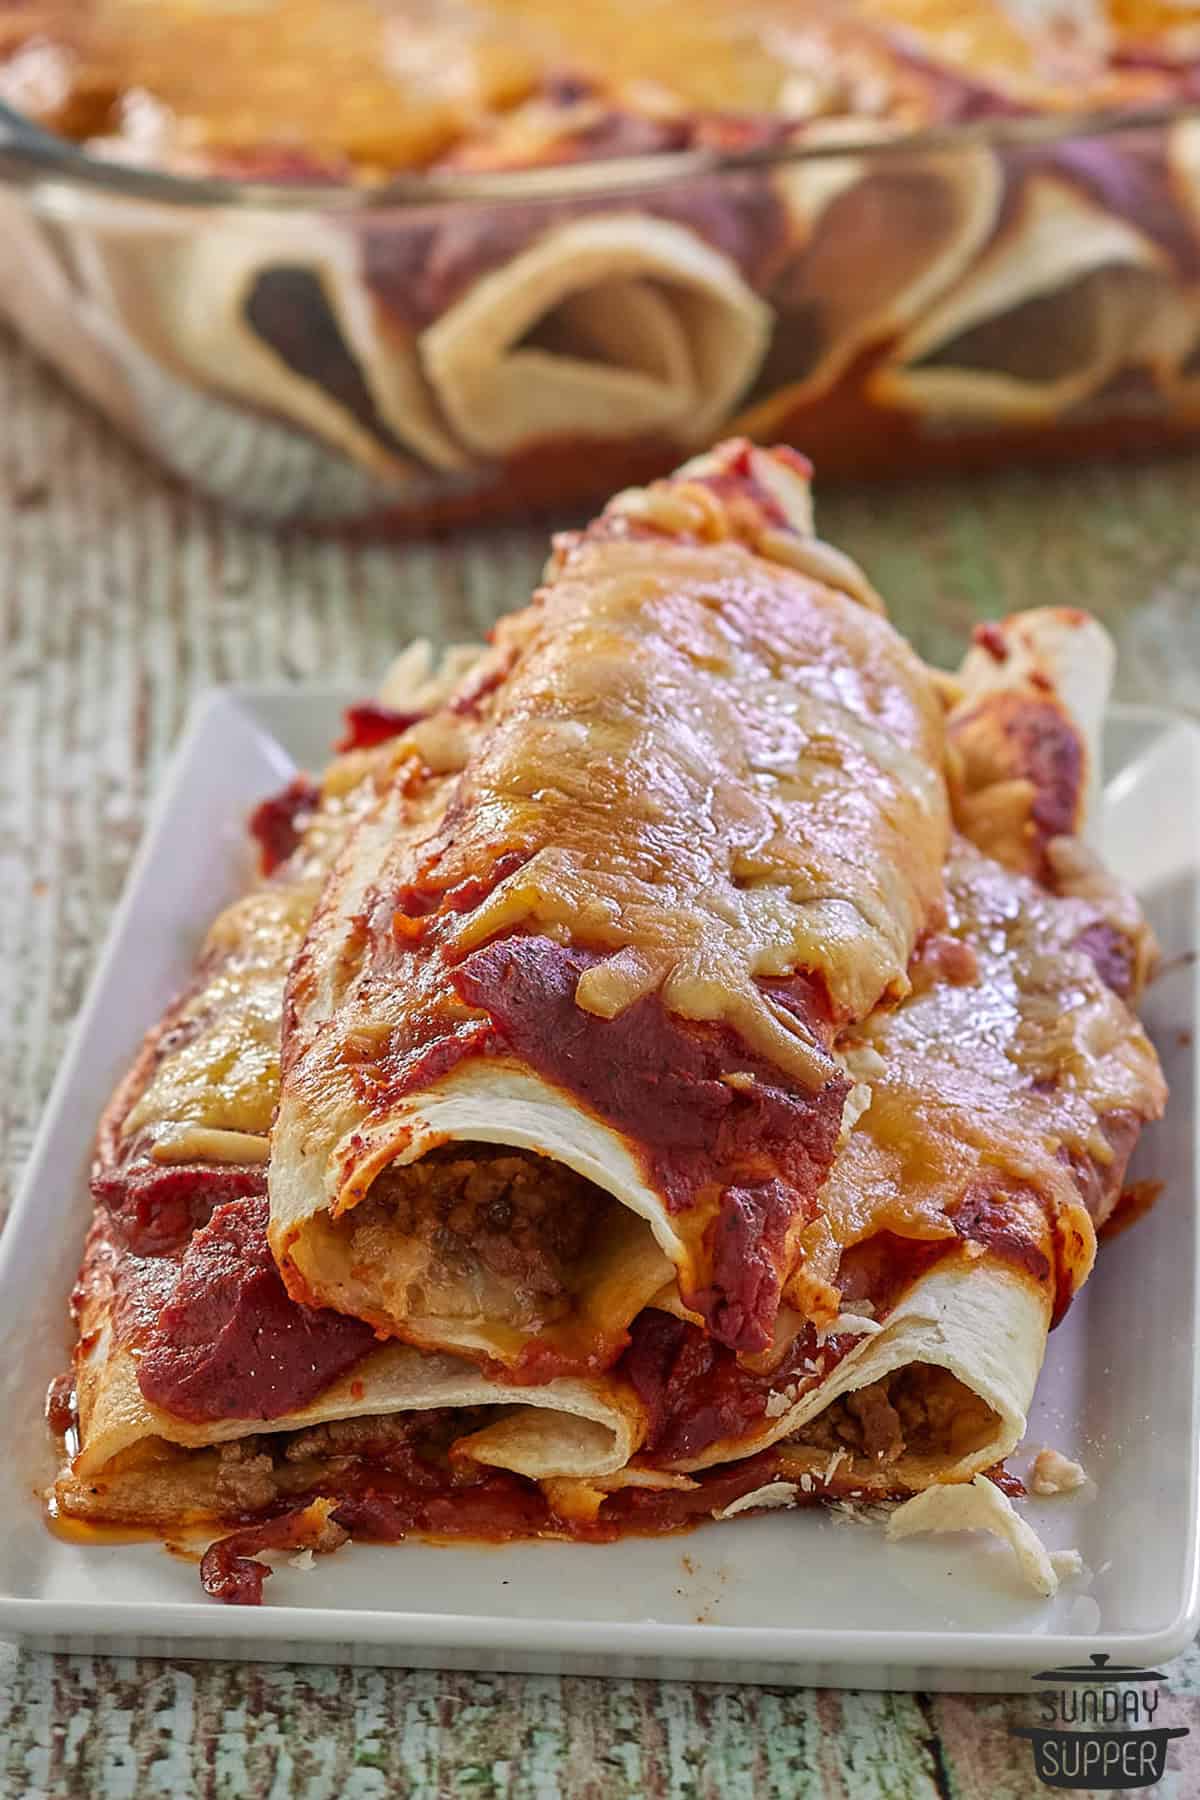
400	84
1001	1072
213	1086
225	1074
382	85
721	768
704	762
694	760
717	770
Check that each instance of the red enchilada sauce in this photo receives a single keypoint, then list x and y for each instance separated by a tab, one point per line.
765	1146
431	1501
223	1339
154	1208
219	1337
370	723
277	824
432	1498
695	1392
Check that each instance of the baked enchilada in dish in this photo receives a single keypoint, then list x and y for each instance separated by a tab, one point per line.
483	254
678	1059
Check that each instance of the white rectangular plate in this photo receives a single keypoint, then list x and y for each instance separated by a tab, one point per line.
787	1598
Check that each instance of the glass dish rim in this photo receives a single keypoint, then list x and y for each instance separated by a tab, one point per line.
35	159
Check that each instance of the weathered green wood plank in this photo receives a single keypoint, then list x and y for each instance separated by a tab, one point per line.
119	598
1123	542
119	1728
116	1727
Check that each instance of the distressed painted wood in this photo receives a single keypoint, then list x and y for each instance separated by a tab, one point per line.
119	598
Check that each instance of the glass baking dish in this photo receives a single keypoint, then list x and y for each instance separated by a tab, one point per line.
465	345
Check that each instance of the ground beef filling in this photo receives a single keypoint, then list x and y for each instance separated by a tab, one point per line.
259	1472
526	1221
917	1411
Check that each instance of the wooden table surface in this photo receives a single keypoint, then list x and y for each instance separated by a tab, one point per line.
119	598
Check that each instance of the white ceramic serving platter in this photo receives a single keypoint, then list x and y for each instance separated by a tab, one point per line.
798	1597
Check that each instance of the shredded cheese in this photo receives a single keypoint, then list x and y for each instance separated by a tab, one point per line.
838	1457
849	1325
775	1493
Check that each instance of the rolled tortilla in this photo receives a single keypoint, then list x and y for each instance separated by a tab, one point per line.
1170	346
186	1339
274	315
41	295
699	819
1059	300
971	1168
142	1463
1024	730
1007	1092
1169	349
610	326
990	1126
998	1107
199	1099
876	240
991	1122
